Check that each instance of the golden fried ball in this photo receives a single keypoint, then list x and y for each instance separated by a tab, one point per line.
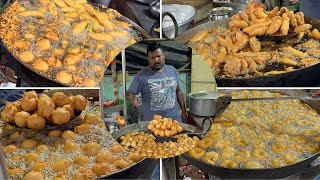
228	152
104	157
26	56
20	119
101	169
205	143
82	129
276	162
61	116
81	160
229	164
45	106
89	83
243	155
33	175
91	118
196	153
54	133
29	143
84	174
290	159
61	165
67	134
60	99
35	121
39	166
41	148
15	172
10	148
8	112
253	165
117	148
40	65
43	44
60	176
260	154
29	102
64	77
278	148
69	108
91	148
121	164
135	157
211	157
31	157
70	146
79	102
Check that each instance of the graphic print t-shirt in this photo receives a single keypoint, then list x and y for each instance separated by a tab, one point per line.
158	92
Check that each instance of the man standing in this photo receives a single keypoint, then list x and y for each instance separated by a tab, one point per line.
159	87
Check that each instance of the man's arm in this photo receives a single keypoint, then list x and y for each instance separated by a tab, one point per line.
133	99
182	105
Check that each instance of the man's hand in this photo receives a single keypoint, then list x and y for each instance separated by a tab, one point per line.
316	93
184	117
135	102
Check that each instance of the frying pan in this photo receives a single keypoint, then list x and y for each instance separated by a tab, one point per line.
133	172
304	77
270	173
35	79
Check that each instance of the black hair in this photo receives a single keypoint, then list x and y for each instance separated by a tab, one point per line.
153	46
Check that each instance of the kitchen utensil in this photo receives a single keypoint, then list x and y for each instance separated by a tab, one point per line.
183	14
236	5
220	13
210	104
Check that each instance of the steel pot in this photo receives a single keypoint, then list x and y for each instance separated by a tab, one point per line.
220	13
207	103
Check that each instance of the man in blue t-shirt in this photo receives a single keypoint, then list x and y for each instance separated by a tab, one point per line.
159	87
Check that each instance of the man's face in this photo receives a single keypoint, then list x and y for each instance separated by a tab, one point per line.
156	59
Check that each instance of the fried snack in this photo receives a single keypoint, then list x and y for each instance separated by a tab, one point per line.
238	24
20	119
61	116
255	44
35	121
196	153
284	29
275	25
302	28
164	126
300	18
295	52
199	36
85	174
315	33
79	102
45	106
253	165
91	149
60	99
32	175
288	61
29	101
211	157
258	29
232	67
229	164
9	112
81	160
259	12
61	165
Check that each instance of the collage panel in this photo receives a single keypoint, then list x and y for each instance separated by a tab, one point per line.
256	134
249	44
68	42
59	134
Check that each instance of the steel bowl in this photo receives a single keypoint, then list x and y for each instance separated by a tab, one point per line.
237	5
183	14
220	13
